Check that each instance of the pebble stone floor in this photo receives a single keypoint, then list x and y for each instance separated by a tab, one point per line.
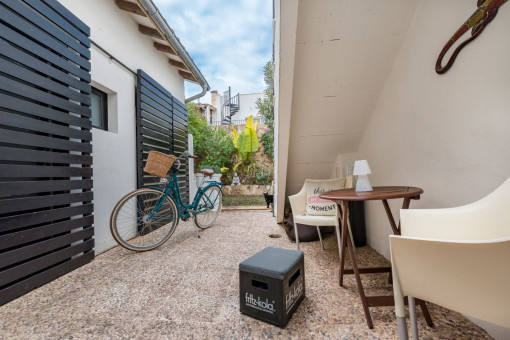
188	289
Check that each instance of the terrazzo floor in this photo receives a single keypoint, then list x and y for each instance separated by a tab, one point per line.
188	289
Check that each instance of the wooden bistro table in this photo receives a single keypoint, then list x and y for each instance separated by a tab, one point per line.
342	198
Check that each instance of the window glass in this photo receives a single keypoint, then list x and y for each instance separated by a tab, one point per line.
98	106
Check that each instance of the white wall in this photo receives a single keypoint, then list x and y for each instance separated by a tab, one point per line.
247	105
447	134
344	52
114	151
116	31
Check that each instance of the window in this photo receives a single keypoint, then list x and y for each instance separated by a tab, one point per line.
99	108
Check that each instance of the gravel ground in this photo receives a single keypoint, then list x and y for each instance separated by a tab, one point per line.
189	289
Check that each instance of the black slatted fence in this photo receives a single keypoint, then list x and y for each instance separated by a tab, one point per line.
45	145
162	125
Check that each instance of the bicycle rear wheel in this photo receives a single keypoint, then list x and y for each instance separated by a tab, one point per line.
210	205
143	219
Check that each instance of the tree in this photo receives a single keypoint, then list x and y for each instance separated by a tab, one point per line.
266	109
212	145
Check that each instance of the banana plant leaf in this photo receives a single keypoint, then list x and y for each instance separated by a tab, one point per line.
248	141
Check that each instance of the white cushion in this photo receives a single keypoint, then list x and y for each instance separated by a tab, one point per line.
316	205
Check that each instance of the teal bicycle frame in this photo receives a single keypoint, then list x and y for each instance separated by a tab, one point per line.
185	211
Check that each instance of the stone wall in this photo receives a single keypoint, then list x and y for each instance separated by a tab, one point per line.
247	190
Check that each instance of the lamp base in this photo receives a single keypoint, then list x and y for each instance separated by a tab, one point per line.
363	183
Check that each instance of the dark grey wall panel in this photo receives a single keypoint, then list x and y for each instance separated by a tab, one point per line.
162	125
46	209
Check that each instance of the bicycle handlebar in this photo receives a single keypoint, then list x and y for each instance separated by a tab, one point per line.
183	155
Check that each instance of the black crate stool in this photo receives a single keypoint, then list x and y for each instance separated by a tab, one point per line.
272	284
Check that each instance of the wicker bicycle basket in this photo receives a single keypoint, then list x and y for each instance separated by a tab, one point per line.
158	163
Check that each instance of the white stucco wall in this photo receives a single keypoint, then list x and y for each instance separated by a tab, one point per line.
114	151
447	134
247	105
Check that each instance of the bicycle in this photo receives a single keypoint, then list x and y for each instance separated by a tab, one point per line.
146	218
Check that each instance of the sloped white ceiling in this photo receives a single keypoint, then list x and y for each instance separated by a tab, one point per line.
345	50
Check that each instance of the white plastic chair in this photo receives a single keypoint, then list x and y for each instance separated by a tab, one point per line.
298	205
458	258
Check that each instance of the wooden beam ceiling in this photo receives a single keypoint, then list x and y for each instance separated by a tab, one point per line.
187	75
130	7
164	48
151	32
177	64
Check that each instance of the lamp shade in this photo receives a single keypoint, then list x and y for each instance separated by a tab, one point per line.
361	168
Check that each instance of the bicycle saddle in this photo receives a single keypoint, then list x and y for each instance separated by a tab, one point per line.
207	172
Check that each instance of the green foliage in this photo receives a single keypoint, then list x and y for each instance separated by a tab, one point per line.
246	143
266	109
212	145
263	177
265	105
268	142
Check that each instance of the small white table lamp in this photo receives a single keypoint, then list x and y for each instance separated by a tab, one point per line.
362	169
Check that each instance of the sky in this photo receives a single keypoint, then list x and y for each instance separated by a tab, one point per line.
230	41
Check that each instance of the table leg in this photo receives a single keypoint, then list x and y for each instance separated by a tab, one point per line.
390	217
344	236
358	282
426	313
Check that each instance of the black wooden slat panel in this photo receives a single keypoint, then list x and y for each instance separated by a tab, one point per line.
183	129
44	111
180	120
27	60
46	261
162	125
177	103
17	121
29	139
38	202
156	127
43	53
11	257
46	209
35	79
180	113
42	37
60	21
39	279
148	148
34	234
32	187
152	141
69	16
29	219
156	117
37	20
157	135
22	287
155	108
27	155
30	92
18	171
163	104
151	83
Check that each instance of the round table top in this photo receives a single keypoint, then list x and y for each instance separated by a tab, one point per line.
378	193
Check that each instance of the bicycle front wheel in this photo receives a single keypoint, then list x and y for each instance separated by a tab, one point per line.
209	207
143	219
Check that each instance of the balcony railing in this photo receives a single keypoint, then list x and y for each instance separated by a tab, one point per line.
261	120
